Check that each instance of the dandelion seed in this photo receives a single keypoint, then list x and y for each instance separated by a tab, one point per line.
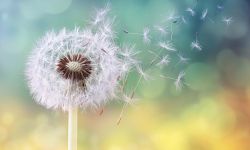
183	20
191	11
179	81
204	14
146	37
196	45
182	59
142	73
100	15
227	20
106	28
164	61
155	58
172	17
167	46
129	53
160	29
220	7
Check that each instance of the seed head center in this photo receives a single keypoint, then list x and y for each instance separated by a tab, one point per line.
74	66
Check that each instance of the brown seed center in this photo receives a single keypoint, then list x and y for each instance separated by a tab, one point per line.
74	67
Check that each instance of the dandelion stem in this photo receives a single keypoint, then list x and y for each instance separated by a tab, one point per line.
72	128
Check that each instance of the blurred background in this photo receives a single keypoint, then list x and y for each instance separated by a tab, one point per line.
211	113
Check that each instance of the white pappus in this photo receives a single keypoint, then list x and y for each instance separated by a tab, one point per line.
179	80
167	46
196	45
191	11
80	68
227	20
204	14
146	38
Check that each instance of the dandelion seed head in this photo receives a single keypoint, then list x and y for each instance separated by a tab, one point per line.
82	67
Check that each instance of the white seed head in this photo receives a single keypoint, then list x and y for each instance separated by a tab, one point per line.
80	68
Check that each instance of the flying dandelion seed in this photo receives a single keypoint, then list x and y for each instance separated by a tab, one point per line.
184	20
164	61
142	73
179	81
146	37
167	46
220	7
227	20
100	15
196	45
128	54
191	11
162	30
172	17
182	60
204	14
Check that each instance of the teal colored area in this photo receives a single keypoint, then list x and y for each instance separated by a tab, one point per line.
23	22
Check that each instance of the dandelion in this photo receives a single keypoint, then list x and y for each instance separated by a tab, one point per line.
191	11
80	68
146	37
204	14
167	46
227	20
66	69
